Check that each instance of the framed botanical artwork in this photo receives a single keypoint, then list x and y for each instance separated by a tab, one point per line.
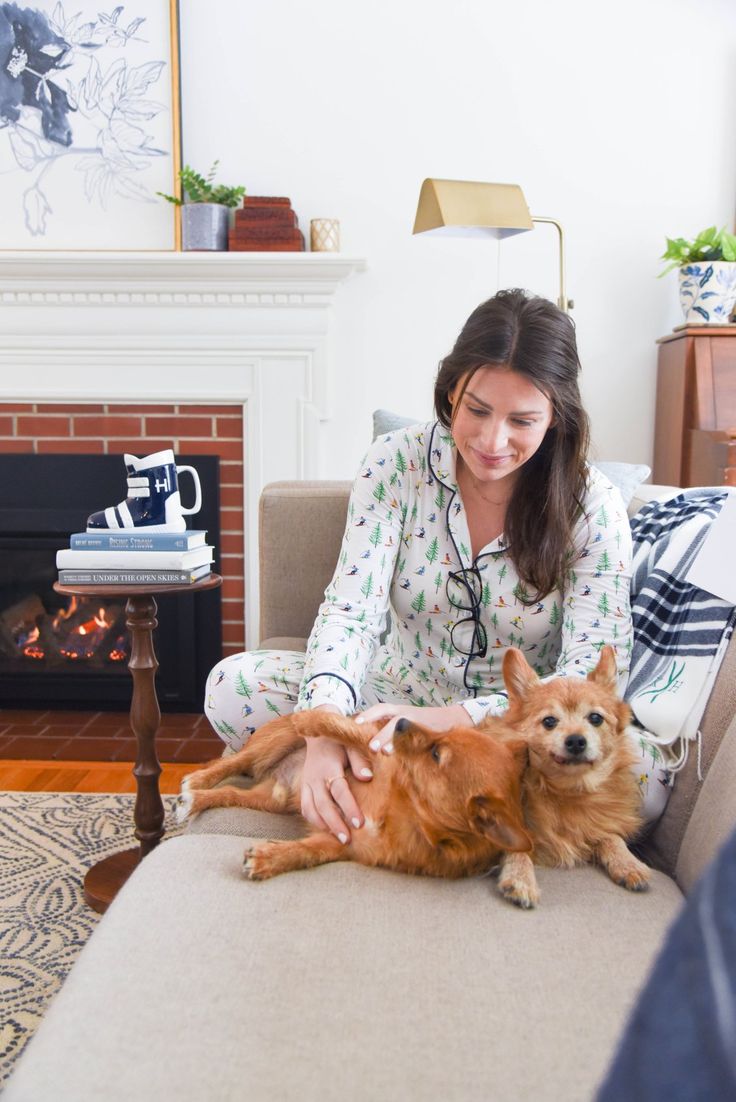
89	124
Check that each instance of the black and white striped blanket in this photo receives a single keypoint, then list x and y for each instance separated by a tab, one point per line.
680	632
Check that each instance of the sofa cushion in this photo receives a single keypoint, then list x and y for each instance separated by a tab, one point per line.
343	983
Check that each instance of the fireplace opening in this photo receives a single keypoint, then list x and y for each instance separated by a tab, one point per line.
70	652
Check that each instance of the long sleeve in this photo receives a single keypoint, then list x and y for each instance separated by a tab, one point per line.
352	615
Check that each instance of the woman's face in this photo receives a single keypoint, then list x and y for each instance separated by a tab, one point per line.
499	424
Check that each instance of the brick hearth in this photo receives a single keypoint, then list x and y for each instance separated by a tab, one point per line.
100	736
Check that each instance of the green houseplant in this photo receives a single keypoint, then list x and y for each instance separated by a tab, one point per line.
206	209
707	275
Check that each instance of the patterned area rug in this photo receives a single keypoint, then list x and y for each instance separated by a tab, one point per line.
48	840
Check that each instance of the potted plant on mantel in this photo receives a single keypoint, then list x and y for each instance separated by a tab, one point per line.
707	275
206	206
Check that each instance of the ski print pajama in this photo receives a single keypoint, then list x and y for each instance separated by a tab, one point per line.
406	571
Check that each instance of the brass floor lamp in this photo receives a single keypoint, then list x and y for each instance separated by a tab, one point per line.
465	208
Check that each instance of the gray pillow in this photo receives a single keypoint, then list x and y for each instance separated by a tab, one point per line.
385	421
626	477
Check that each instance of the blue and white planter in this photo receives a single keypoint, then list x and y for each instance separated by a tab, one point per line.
708	292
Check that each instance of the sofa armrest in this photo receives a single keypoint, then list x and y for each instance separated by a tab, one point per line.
647	492
301	525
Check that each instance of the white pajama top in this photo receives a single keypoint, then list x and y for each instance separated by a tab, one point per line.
406	551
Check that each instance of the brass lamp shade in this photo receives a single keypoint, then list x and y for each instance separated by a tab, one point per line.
466	208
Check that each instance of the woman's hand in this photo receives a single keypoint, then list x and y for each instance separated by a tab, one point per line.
327	801
436	719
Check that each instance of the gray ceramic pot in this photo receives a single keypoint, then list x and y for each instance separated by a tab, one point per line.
204	226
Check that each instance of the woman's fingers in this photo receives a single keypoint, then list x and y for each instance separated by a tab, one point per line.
360	765
309	811
378	712
337	807
384	739
343	797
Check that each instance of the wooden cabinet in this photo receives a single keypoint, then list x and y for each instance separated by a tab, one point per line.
695	427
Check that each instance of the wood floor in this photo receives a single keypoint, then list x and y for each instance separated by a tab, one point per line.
82	776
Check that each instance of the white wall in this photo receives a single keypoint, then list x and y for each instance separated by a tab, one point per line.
615	119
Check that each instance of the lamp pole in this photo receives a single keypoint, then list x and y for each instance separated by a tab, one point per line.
563	301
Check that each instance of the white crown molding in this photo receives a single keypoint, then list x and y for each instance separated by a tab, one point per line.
173	279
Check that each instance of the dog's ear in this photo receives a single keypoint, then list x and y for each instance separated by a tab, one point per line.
498	824
518	675
605	673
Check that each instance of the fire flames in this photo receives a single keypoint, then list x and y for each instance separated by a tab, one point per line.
77	632
83	640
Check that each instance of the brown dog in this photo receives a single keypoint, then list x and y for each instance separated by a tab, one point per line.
443	804
580	795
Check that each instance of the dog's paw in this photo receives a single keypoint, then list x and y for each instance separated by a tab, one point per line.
519	892
183	807
634	877
193	781
256	863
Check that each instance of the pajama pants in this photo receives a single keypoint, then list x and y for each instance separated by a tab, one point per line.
246	690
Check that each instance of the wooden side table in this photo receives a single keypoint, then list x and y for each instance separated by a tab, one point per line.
696	407
104	880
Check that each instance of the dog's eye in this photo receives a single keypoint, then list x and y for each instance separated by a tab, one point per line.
435	752
549	722
595	718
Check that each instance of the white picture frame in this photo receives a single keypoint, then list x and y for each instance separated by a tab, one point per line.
89	125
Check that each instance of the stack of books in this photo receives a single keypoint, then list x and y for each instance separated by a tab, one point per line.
135	558
265	224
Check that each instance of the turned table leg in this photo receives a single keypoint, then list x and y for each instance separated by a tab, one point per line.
104	880
145	719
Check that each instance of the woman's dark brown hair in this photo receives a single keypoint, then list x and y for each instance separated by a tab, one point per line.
534	338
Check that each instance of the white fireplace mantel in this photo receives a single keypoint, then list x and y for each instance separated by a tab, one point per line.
172	279
245	328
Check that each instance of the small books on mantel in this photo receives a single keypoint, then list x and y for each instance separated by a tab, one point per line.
135	558
266	224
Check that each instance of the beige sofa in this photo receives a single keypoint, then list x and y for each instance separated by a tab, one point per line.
358	984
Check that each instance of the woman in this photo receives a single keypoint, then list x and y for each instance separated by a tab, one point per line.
483	530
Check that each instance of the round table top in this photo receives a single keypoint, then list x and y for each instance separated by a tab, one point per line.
212	581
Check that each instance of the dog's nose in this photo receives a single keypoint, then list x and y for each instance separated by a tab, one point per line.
575	744
402	725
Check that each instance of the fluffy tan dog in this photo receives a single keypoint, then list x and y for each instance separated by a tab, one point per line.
580	795
443	804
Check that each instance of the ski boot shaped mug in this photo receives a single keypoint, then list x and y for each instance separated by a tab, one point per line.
153	503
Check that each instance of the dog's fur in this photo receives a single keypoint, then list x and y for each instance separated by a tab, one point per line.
580	795
442	804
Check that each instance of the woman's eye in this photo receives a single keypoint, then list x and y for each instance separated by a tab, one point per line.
549	722
523	424
477	412
595	718
435	752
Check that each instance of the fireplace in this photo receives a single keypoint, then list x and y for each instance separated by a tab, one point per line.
64	652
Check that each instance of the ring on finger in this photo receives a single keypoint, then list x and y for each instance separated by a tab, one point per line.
331	780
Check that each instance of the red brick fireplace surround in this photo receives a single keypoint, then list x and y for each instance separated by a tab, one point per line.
115	428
